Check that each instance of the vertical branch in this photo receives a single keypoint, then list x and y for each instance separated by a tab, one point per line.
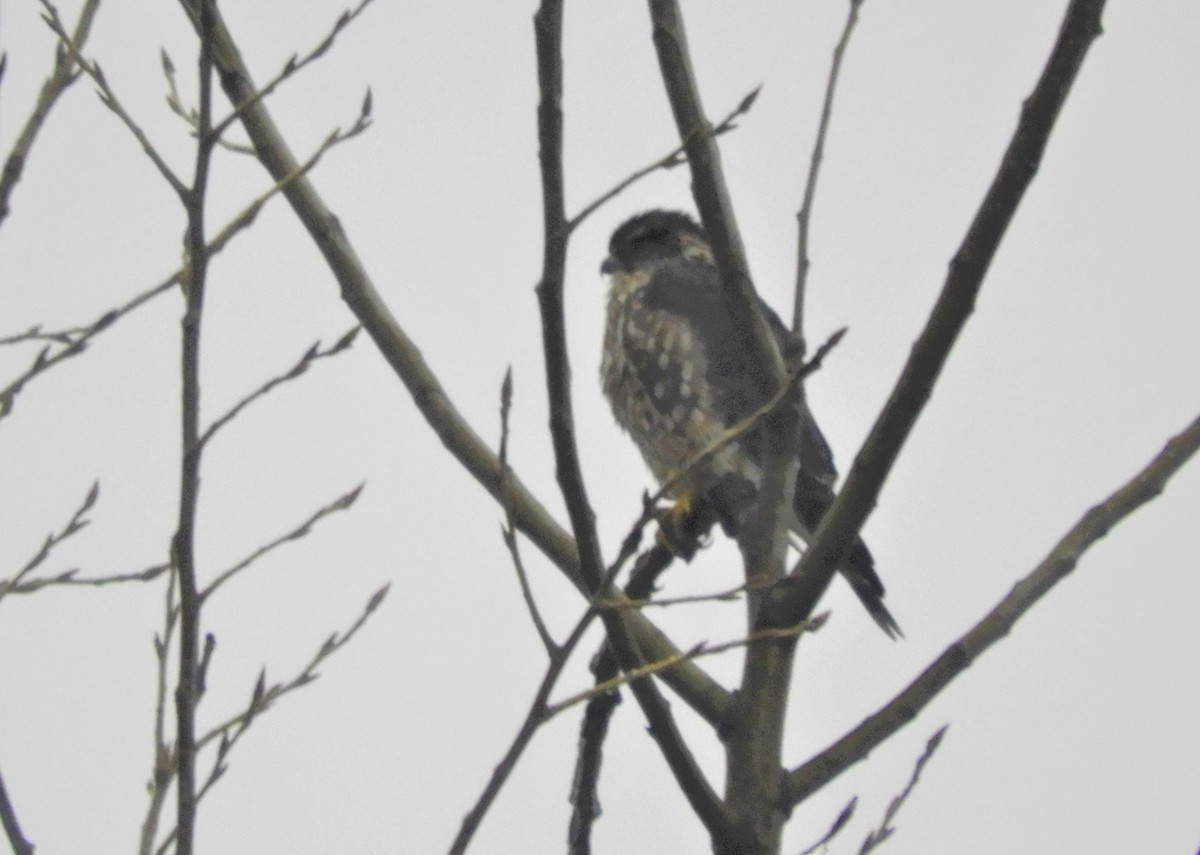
547	24
187	691
754	738
804	217
548	36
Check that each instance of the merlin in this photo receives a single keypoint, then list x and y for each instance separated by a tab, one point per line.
678	381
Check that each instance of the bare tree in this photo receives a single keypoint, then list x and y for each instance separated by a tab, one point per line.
747	813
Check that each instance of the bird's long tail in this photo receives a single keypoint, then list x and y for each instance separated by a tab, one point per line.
859	570
812	501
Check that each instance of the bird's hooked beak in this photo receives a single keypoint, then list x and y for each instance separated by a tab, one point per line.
609	265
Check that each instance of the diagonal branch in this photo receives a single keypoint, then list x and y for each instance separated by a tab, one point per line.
76	524
76	341
537	715
12	828
341	503
798	595
703	693
301	367
1095	524
109	98
711	194
839	823
878	836
56	84
667	161
292	66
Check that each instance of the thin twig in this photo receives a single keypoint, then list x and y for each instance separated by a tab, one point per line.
264	697
70	579
739	429
534	718
110	100
77	339
668	161
719	597
302	365
341	503
34	333
876	837
293	65
63	75
1061	560
838	824
814	169
697	651
74	525
162	770
189	114
508	530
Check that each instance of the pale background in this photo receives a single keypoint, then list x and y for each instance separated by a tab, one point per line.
1077	734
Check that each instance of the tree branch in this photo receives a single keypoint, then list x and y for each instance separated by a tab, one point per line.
341	503
548	38
667	161
184	543
804	217
76	341
301	367
560	654
12	828
855	745
799	593
109	98
696	687
63	75
878	836
754	734
76	524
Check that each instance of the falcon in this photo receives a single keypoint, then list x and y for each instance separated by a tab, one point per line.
677	382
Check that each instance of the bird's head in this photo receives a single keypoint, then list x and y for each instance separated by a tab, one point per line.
653	237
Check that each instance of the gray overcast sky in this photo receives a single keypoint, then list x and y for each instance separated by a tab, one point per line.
1076	734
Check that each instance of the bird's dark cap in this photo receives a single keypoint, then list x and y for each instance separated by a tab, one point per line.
645	233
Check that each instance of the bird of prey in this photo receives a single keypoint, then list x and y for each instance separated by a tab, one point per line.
677	381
